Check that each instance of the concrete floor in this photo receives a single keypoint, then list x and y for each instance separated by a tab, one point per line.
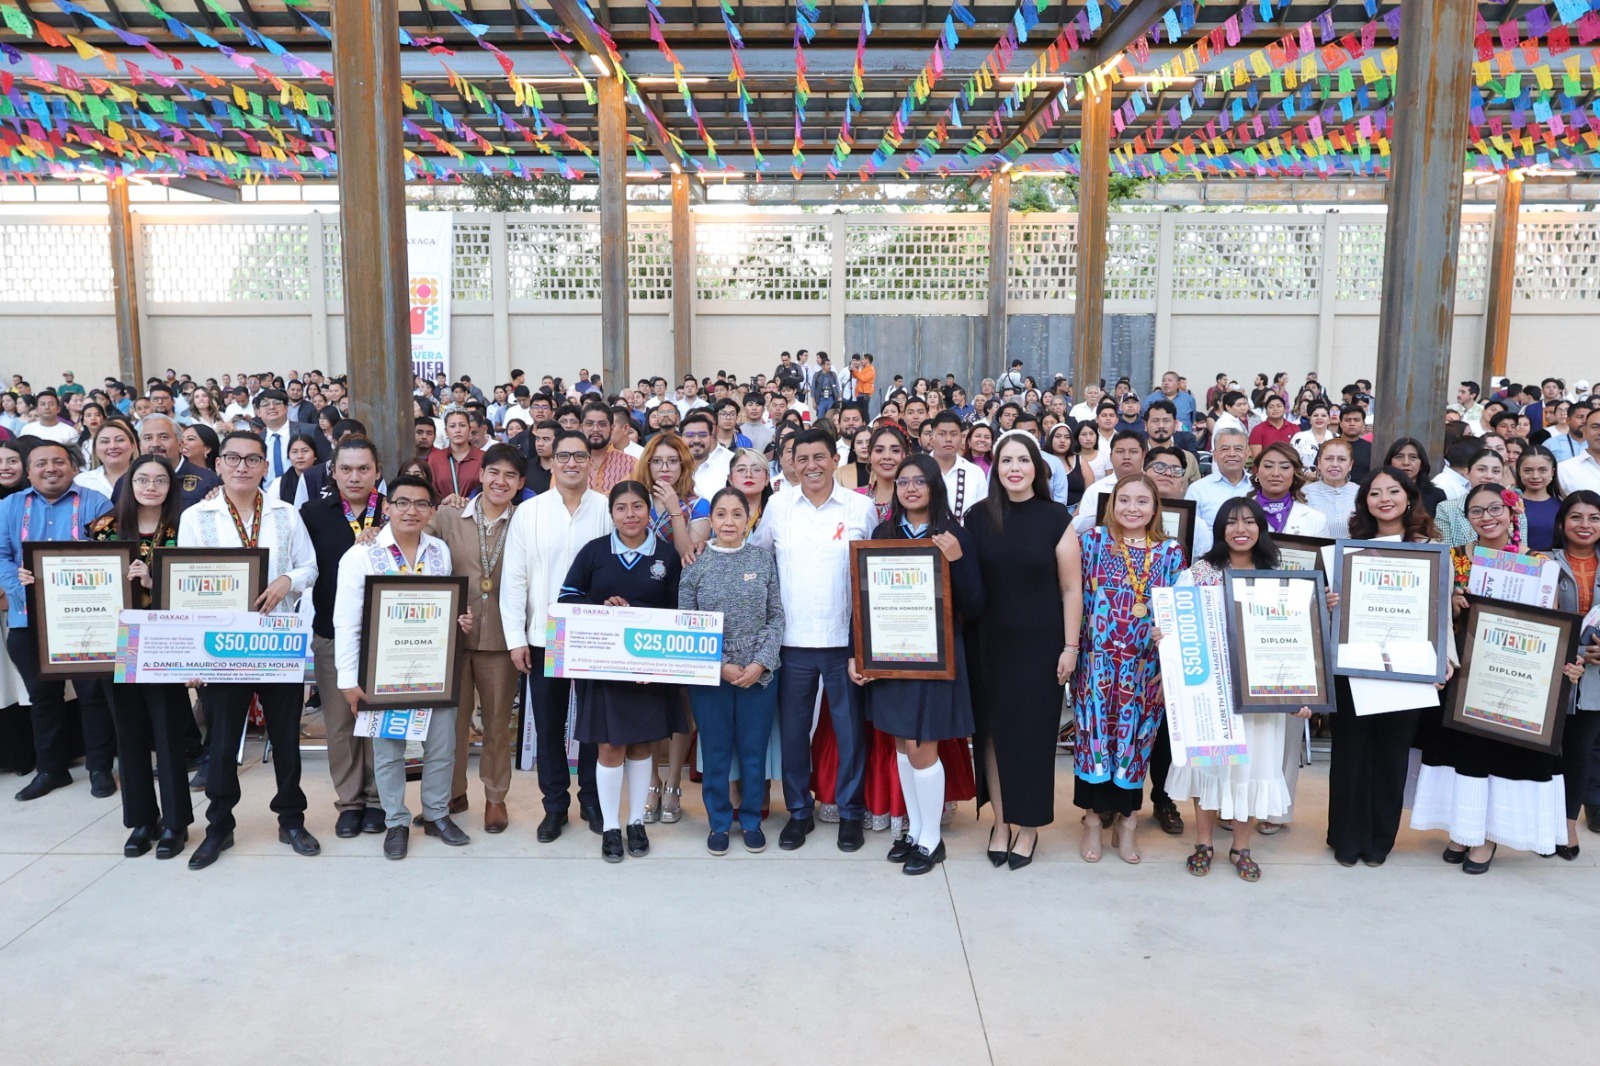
532	952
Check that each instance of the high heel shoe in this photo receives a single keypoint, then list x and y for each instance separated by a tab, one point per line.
1127	850
997	859
1016	861
1567	851
1470	867
1089	847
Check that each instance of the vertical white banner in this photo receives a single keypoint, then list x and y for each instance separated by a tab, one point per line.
430	247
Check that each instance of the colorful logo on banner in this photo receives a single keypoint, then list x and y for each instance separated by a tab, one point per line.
429	245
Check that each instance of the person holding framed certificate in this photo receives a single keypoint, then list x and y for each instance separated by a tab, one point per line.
1371	752
149	718
52	508
401	547
1258	788
930	720
1577	533
630	567
1483	791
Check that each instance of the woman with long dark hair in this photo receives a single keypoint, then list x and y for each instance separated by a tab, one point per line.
1541	495
1279	482
929	721
1410	457
1371	753
1577	533
200	445
1487	467
855	469
1027	652
980	445
149	718
886	451
1062	442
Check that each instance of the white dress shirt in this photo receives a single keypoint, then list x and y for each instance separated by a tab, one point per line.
540	546
1580	473
61	432
712	474
289	552
965	484
1452	484
812	545
237	410
1227	420
278	438
1209	494
94	478
349	598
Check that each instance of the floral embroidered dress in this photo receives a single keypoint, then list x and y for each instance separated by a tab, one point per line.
1117	690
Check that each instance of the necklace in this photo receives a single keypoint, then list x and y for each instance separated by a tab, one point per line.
365	521
1140	582
400	560
489	558
247	540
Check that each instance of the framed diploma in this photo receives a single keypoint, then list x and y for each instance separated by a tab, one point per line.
1393	618
1177	518
1510	686
410	643
1278	640
1300	553
904	615
75	604
207	579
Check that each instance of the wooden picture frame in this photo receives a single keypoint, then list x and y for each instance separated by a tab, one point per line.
1177	517
1510	686
1297	550
1307	659
176	574
892	584
410	642
78	580
1418	582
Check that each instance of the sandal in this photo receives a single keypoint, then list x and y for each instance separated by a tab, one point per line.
652	804
1089	848
1266	829
1248	870
1127	851
671	804
1199	863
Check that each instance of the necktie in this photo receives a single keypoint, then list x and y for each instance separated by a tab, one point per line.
277	455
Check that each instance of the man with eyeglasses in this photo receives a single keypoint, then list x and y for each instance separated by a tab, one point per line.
711	459
242	516
272	407
160	435
545	535
607	465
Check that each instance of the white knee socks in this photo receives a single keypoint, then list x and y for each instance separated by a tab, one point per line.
608	782
908	789
640	773
930	801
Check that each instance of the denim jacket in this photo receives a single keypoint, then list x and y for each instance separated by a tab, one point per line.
1588	688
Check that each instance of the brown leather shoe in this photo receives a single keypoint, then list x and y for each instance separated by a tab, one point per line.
458	804
494	817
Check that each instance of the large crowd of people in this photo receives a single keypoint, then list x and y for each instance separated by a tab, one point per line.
743	497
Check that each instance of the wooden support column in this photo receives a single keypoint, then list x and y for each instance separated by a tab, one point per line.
372	203
125	269
999	267
1429	143
1094	189
1502	278
614	235
683	279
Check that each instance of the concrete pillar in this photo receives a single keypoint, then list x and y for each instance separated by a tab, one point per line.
613	234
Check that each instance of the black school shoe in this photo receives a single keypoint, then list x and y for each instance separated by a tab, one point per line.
923	861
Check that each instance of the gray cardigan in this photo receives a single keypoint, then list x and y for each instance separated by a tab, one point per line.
743	585
1588	687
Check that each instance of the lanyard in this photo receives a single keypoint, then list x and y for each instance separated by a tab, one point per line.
248	540
366	520
27	516
400	560
455	482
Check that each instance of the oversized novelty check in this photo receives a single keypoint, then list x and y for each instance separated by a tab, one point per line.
633	644
219	648
1206	729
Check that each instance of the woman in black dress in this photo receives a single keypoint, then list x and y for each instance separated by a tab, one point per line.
919	714
629	568
1027	650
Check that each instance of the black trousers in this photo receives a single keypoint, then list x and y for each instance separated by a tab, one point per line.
546	699
1160	766
52	735
228	707
1367	778
1578	740
150	720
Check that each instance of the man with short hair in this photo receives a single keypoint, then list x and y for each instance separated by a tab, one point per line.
1128	420
1086	409
1161	428
424	436
544	537
272	406
333	523
1235	414
1551	391
711	459
242	516
607	465
300	408
1127	459
726	413
1467	405
455	468
959	404
1229	448
52	508
1181	401
49	425
622	433
848	421
160	435
1569	438
788	371
1583	470
240	405
824	386
965	483
1353	428
68	386
809	532
1011	379
914	412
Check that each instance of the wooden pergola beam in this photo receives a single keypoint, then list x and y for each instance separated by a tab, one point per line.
1502	277
613	234
1094	193
125	275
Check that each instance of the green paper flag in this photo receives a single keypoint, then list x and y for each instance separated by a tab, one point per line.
18	22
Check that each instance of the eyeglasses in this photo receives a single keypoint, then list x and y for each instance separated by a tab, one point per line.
410	505
571	457
151	482
249	462
1164	468
691	435
659	463
1494	510
911	482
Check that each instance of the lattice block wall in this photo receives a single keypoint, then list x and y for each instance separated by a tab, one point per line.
553	260
55	263
1043	261
932	261
332	262
472	264
650	260
763	261
1472	261
227	262
1132	260
1360	273
1247	261
1558	260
